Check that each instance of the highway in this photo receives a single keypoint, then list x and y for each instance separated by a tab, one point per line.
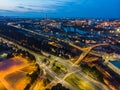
50	72
38	60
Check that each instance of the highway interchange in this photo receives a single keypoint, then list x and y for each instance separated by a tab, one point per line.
70	69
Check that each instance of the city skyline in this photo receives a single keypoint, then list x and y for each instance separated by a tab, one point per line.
61	8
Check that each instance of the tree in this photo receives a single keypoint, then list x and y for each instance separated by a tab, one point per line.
59	87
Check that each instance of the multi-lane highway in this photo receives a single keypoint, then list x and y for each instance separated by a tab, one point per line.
53	74
39	61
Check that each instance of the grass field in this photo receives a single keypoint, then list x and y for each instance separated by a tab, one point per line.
77	82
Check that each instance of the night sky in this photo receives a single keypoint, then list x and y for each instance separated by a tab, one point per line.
61	8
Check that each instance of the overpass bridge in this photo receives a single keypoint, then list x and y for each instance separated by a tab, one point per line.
85	51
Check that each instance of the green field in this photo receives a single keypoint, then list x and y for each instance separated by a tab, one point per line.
78	83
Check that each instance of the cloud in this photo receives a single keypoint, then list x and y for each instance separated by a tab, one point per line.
64	8
2	10
20	7
24	8
33	8
32	5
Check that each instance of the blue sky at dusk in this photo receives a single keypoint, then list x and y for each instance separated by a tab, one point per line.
61	8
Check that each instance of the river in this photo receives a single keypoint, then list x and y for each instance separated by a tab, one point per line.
116	63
